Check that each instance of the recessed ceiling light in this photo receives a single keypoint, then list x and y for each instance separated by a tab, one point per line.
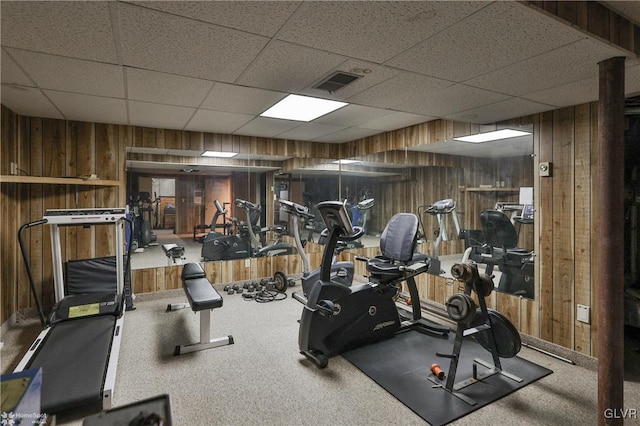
492	136
346	161
219	154
302	108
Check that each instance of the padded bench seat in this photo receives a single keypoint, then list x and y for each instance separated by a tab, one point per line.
174	253
201	294
202	298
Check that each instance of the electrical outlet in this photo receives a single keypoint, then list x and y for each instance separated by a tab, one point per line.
583	314
247	263
14	168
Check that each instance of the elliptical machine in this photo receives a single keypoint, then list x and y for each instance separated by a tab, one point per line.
337	318
341	272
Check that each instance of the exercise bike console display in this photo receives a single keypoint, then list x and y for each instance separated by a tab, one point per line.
335	215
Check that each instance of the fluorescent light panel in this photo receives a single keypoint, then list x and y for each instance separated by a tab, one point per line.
492	136
346	161
219	154
302	108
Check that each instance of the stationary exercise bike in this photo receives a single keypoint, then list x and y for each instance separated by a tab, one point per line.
440	209
220	246
276	248
341	272
337	318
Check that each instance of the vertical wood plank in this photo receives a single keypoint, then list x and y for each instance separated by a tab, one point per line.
563	233
545	255
582	221
594	205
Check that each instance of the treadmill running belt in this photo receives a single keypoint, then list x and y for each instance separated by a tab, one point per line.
74	359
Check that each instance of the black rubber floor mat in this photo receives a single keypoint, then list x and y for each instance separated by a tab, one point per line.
401	365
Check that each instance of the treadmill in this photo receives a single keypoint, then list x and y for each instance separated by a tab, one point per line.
79	346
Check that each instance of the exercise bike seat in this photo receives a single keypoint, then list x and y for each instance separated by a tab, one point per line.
500	234
397	245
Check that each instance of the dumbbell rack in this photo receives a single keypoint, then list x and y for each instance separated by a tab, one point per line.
464	330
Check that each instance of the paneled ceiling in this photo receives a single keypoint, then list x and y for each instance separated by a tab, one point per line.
215	66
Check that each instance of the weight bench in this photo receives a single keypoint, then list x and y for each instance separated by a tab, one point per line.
202	298
174	252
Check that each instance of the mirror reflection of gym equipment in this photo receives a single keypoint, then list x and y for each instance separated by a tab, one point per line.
496	245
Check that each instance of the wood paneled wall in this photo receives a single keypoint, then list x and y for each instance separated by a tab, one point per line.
55	148
566	212
566	203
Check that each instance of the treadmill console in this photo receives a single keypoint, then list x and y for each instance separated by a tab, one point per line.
85	216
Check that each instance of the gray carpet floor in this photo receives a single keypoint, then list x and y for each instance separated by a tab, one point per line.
262	378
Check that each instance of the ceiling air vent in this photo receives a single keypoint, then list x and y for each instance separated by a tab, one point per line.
336	81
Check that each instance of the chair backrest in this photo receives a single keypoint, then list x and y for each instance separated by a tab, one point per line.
399	238
497	229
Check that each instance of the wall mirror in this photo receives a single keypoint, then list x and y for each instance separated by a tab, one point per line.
447	192
474	203
179	199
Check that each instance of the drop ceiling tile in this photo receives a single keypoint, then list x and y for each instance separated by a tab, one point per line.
71	75
28	101
396	120
575	93
160	116
346	135
402	88
352	115
449	100
497	36
11	72
60	28
240	99
217	121
266	127
96	109
309	131
157	41
503	110
573	62
257	17
170	89
583	91
373	31
287	67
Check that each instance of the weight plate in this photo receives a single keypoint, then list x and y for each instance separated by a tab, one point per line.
280	281
507	338
461	308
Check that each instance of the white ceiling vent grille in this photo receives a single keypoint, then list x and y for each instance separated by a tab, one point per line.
336	81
